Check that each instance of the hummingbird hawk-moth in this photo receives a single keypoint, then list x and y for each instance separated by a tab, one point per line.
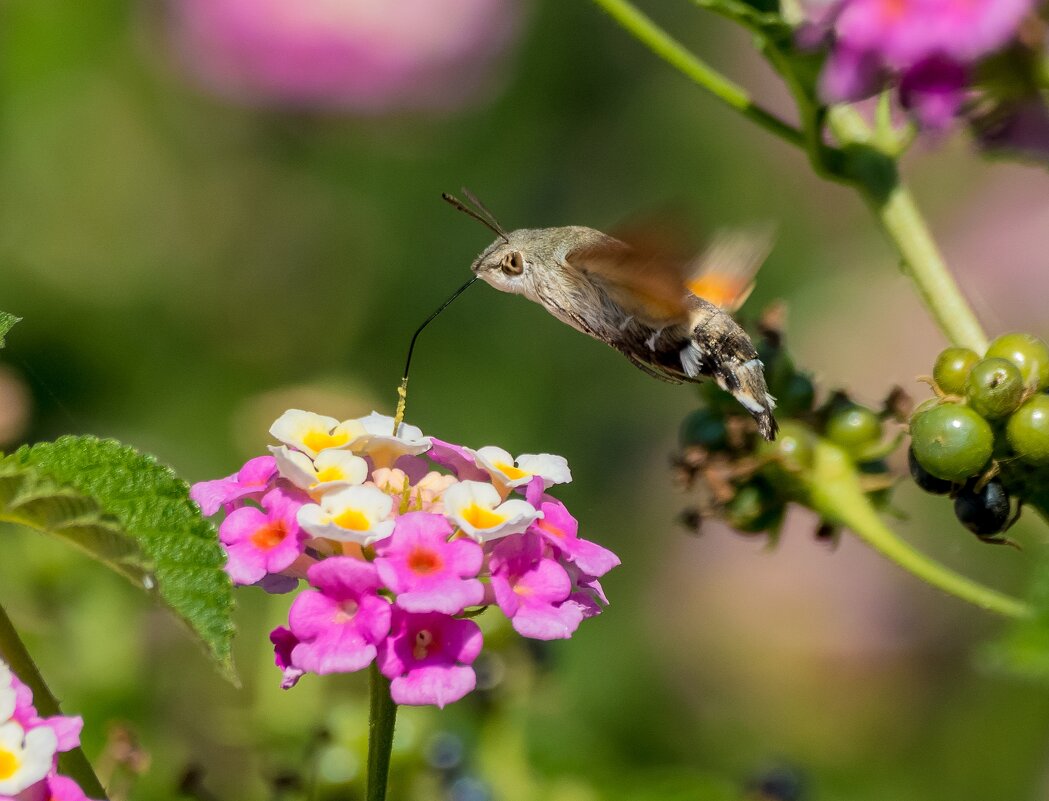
669	316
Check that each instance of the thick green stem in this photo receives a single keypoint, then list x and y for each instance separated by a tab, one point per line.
924	265
875	175
72	763
835	492
381	720
670	50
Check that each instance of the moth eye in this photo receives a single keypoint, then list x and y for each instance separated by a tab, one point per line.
513	263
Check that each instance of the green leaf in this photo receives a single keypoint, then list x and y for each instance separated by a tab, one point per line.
152	505
30	500
7	322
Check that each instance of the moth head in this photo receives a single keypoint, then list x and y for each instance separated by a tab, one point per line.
504	265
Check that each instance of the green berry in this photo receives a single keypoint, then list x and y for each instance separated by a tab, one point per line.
994	388
1028	353
924	479
952	370
705	428
951	441
1028	430
792	448
755	507
852	427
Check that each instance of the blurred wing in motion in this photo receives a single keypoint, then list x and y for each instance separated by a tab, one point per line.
724	273
645	279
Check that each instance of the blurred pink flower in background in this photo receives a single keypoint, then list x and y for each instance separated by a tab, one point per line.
360	56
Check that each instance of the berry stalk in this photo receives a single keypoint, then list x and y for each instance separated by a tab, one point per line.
834	491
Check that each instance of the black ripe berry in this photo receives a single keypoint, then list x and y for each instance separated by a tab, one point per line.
983	512
926	480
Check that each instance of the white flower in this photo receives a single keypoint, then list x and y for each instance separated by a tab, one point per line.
380	444
8	696
312	433
332	468
509	472
25	757
351	514
474	507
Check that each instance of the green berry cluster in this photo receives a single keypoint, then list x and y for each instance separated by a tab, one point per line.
749	482
984	438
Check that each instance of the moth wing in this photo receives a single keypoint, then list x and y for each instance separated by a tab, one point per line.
724	273
648	284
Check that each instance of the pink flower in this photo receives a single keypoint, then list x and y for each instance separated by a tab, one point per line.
263	541
62	788
339	624
250	482
426	571
461	460
284	643
933	90
533	590
927	45
427	658
361	55
559	529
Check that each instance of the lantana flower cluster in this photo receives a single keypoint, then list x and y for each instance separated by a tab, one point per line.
402	539
929	49
30	744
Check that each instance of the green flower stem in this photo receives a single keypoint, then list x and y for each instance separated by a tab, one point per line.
670	50
381	719
834	490
72	763
924	265
875	175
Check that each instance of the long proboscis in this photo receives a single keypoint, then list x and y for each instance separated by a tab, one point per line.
402	390
480	213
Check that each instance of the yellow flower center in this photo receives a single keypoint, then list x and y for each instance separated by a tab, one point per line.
480	517
511	472
352	519
317	440
330	474
8	764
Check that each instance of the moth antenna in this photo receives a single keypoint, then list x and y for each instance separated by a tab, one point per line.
484	210
489	224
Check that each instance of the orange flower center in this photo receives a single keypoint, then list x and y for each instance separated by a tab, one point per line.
424	561
269	536
550	528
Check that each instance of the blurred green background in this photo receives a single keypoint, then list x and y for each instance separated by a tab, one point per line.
188	266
